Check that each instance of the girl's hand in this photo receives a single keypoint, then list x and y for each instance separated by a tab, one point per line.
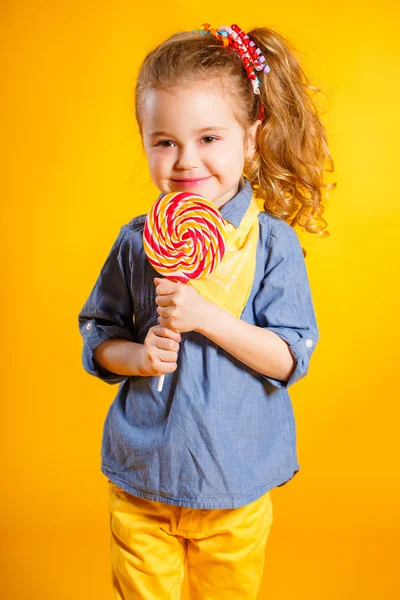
160	351
180	307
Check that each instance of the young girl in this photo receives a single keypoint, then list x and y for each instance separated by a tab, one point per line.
190	469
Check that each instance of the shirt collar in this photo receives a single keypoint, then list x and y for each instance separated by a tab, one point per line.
235	209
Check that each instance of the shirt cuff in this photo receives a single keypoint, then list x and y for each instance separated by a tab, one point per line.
301	346
94	335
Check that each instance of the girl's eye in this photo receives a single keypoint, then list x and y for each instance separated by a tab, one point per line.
209	138
164	143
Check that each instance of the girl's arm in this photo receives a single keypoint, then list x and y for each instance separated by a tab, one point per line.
158	354
260	349
120	356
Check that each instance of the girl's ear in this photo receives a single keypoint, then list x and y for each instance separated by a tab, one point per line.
251	139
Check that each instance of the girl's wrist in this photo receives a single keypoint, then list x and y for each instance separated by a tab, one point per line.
210	315
139	365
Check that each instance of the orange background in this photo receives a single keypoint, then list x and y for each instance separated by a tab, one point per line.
73	173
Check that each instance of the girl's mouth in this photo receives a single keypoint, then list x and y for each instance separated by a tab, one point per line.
188	183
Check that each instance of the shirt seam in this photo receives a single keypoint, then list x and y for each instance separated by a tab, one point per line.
220	497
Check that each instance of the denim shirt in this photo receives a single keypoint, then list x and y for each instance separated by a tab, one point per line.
220	434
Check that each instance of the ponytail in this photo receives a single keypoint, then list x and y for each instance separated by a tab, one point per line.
292	155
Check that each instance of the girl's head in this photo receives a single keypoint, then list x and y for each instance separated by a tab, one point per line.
199	120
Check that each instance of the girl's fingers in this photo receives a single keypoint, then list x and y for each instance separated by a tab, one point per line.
164	300
165	367
163	347
167	357
167	344
163	332
163	311
163	320
165	286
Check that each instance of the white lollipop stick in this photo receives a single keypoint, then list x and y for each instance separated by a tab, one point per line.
160	383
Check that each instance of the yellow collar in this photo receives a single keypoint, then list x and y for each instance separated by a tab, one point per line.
230	284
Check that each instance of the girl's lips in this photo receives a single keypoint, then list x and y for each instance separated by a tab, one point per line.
190	182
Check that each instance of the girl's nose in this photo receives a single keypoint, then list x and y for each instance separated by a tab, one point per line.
187	159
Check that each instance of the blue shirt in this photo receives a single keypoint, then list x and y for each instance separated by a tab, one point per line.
220	434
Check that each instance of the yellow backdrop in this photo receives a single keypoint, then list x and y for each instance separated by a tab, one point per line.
73	173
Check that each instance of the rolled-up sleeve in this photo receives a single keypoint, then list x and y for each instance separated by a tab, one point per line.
108	312
284	303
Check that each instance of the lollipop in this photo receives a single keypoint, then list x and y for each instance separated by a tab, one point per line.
184	238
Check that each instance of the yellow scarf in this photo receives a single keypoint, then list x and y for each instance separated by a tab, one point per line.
229	285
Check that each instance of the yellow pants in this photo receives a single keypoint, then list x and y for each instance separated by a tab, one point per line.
150	542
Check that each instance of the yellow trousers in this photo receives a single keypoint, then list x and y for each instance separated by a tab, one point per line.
151	541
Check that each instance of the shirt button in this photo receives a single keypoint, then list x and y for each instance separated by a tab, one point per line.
89	326
309	343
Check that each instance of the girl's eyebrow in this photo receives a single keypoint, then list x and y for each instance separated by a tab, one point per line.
210	128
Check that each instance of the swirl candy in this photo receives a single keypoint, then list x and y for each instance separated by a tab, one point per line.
184	238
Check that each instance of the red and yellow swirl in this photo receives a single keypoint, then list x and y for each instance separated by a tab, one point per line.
184	236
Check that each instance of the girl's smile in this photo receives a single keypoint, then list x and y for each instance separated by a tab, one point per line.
191	183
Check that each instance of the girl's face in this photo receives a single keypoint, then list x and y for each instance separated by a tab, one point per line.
193	141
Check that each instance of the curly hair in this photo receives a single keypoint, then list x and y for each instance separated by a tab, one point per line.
286	170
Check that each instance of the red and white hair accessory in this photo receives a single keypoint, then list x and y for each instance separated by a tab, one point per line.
233	37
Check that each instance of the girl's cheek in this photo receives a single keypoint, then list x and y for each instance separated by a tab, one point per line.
164	155
157	161
228	157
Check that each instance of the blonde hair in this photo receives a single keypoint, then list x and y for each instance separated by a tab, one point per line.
287	168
